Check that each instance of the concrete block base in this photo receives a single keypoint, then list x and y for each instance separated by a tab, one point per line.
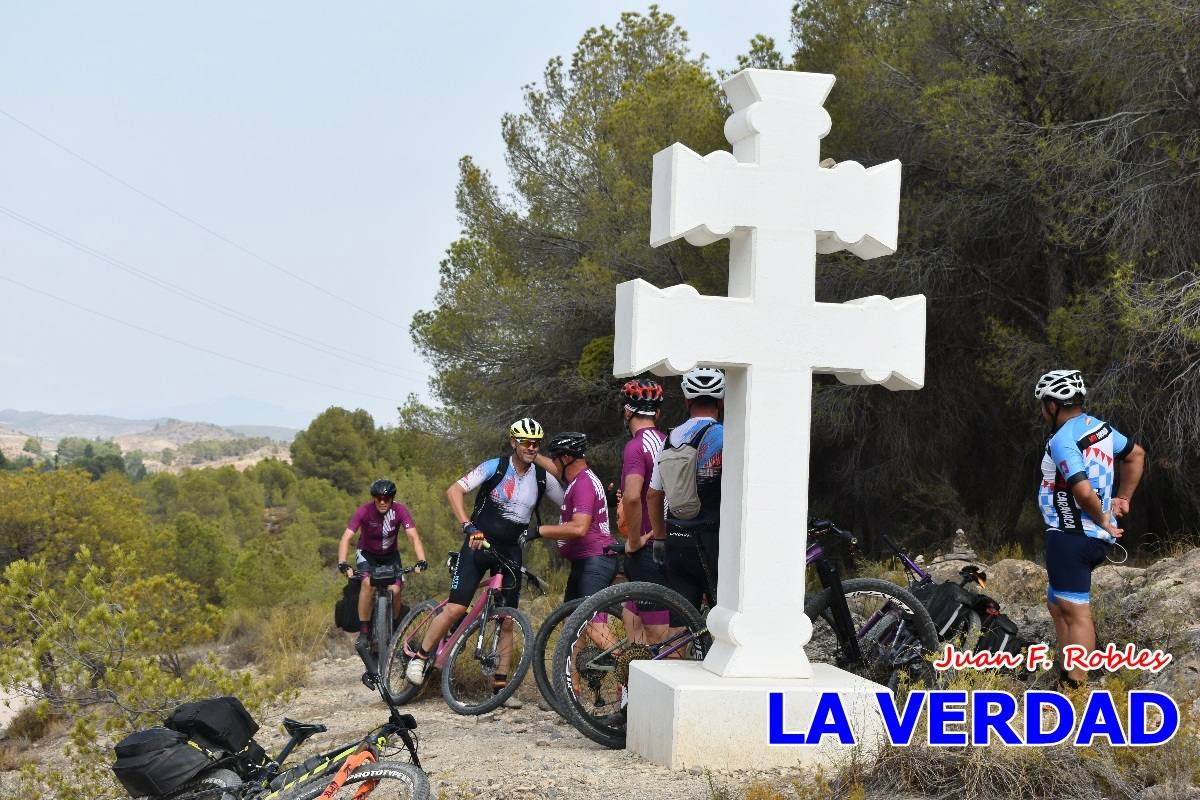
681	715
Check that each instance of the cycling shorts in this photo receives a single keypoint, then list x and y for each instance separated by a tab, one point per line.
686	571
1070	559
640	566
365	564
474	564
589	575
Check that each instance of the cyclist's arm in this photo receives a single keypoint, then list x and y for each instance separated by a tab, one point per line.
548	465
577	528
1130	471
414	538
655	499
1089	502
455	495
344	545
631	510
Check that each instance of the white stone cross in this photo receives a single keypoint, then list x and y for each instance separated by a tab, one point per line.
779	209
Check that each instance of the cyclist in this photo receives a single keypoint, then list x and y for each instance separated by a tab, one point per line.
510	488
689	548
583	531
641	406
1077	501
376	524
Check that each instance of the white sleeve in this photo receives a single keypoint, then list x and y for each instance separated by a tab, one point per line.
554	490
475	478
655	478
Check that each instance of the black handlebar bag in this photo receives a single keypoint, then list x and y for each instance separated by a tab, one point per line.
222	722
156	761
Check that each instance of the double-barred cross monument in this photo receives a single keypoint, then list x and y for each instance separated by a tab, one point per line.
778	208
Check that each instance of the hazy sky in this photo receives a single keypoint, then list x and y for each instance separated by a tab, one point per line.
319	141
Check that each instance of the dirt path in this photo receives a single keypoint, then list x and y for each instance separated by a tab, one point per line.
511	753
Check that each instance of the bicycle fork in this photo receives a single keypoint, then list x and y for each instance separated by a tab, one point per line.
843	624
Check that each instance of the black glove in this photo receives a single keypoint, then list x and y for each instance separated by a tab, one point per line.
533	532
421	565
658	551
343	567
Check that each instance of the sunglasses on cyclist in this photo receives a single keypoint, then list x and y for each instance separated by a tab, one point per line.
532	444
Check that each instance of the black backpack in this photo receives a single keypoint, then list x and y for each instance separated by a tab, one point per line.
486	487
946	602
345	610
222	723
156	761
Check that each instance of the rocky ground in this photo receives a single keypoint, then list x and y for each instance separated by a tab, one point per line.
528	752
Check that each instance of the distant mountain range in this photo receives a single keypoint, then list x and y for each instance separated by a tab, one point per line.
93	426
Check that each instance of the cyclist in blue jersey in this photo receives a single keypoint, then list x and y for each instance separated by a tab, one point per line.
1084	458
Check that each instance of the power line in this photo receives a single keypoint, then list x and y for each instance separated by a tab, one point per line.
162	283
173	340
200	225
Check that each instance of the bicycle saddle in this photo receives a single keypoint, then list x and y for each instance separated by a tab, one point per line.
302	730
614	549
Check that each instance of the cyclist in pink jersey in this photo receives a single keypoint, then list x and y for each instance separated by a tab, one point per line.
642	408
377	524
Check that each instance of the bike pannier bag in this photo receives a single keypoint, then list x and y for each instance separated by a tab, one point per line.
999	635
345	610
221	722
157	761
947	603
677	470
248	762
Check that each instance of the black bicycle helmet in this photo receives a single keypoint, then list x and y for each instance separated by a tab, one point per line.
568	443
383	488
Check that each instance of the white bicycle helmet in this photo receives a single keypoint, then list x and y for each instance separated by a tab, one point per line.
1063	385
704	382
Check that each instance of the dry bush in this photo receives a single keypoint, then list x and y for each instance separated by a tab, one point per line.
280	642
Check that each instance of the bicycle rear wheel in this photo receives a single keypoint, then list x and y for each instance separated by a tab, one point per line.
894	631
394	781
217	784
543	650
592	658
409	635
478	655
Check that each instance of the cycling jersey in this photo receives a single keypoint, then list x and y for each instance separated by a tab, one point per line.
638	459
505	514
377	532
585	495
1084	448
708	467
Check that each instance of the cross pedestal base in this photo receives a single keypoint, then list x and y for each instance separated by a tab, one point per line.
681	715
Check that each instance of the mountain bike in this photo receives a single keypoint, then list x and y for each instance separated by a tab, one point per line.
551	628
381	577
353	769
950	605
870	627
471	654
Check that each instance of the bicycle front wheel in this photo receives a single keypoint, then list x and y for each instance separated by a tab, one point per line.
543	650
595	649
381	629
393	781
501	644
894	632
410	634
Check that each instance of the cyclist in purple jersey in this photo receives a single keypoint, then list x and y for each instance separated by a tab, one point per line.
1077	500
583	532
641	406
377	525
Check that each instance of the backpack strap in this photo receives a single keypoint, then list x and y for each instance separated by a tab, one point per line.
540	475
485	488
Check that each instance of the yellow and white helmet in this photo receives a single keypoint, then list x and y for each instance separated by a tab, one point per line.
526	428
